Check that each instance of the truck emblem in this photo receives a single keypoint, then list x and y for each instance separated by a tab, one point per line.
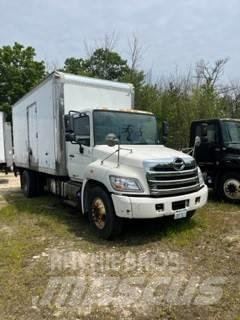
178	164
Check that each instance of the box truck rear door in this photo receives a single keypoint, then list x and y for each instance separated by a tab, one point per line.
32	135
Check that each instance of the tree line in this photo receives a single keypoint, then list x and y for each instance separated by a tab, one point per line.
179	99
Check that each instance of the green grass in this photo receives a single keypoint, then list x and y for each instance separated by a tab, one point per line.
29	226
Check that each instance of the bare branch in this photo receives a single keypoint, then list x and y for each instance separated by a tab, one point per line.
109	43
135	52
207	74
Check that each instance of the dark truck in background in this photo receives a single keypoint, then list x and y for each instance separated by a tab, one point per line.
218	155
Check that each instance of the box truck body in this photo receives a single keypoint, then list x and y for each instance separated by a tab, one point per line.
81	139
38	124
5	144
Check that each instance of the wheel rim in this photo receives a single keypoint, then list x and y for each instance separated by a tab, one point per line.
99	213
232	189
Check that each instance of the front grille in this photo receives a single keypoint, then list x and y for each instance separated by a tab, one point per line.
164	181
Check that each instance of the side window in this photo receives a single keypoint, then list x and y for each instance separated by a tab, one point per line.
82	129
198	130
212	132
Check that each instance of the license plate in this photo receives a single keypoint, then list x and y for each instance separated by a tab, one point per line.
181	213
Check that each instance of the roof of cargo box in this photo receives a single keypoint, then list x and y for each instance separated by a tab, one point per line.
72	78
68	77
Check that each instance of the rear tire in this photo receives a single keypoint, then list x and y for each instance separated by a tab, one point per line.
229	187
101	214
29	183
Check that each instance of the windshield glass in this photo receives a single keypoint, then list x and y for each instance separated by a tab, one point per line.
129	127
231	132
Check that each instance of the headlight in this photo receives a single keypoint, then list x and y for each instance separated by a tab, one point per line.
125	184
200	177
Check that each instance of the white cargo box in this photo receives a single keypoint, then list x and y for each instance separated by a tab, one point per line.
5	142
38	122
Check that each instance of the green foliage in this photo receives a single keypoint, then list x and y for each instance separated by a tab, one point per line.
137	79
103	64
179	101
106	64
19	72
76	66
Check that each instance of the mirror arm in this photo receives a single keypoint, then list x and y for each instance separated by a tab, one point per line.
81	149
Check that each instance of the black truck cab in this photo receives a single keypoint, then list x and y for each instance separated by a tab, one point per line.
218	155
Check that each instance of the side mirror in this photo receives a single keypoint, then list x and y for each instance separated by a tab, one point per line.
204	132
197	141
70	137
204	129
68	122
111	140
165	131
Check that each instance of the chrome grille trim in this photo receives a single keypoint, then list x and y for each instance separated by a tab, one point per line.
164	181
173	182
175	191
173	173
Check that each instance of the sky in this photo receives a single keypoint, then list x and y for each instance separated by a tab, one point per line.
173	34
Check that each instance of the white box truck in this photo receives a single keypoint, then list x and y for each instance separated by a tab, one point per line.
6	154
81	139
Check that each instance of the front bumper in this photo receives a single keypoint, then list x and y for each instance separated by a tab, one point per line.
144	207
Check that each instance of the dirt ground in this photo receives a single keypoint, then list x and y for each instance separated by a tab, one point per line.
52	266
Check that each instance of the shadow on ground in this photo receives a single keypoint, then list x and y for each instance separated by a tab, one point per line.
135	232
3	181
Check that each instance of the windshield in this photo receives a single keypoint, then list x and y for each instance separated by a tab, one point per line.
129	127
231	132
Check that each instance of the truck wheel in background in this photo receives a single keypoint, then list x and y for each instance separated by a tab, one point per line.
29	183
101	213
229	187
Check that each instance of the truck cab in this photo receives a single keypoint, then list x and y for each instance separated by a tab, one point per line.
218	155
118	155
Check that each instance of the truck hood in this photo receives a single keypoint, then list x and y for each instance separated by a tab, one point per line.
137	154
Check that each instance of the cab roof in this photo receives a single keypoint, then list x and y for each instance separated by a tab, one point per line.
216	119
124	109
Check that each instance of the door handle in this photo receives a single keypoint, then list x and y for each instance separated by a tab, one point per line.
71	155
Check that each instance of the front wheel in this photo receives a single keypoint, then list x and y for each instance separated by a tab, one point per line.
229	187
101	214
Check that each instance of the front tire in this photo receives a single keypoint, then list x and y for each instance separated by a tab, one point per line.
101	214
229	187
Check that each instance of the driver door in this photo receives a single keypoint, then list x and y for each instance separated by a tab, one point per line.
208	152
79	155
